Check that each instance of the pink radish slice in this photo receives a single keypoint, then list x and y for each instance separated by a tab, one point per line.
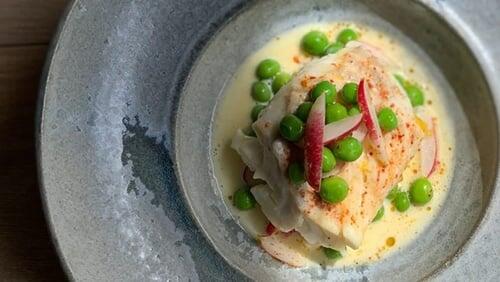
313	142
360	132
371	121
284	247
428	146
428	155
340	129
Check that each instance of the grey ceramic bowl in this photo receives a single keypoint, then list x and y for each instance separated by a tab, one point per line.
125	121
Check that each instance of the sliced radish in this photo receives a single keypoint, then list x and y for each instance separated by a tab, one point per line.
371	121
360	132
340	129
428	155
428	145
287	248
313	142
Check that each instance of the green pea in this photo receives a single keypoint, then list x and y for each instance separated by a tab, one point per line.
387	119
401	80
354	111
243	199
347	35
335	112
261	92
392	194
328	160
291	128
303	111
421	191
324	87
401	201
331	253
256	111
268	68
315	43
415	94
380	214
296	173
333	48
350	93
280	80
348	149
413	91
333	189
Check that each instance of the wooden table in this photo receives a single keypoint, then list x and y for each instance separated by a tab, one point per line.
26	251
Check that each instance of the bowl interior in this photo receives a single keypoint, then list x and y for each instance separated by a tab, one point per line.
456	73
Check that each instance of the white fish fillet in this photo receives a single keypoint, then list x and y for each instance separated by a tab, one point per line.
277	204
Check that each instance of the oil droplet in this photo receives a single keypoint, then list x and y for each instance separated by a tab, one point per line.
390	241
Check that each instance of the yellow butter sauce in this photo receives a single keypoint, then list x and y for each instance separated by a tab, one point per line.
395	229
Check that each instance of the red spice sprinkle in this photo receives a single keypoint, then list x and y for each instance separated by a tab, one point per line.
296	59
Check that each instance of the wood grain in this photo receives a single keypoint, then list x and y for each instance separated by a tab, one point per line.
28	21
26	251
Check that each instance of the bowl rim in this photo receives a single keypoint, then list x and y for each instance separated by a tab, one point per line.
40	105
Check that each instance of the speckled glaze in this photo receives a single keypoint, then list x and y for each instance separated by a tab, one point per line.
124	126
